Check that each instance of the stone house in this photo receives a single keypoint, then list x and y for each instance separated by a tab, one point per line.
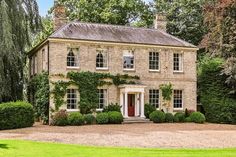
152	54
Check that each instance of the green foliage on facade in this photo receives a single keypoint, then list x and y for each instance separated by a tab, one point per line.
38	90
87	84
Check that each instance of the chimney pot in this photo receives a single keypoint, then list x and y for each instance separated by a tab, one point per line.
160	22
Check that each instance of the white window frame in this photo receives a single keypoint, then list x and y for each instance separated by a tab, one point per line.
105	99
71	98
75	52
105	54
182	99
154	70
153	98
180	62
128	53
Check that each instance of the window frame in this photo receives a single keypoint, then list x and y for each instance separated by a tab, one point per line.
153	98
105	99
123	59
180	62
76	57
154	70
102	51
182	99
75	98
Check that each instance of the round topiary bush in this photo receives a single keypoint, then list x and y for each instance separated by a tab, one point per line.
179	117
169	118
89	119
197	117
102	118
60	118
187	119
115	117
16	115
75	118
148	109
157	116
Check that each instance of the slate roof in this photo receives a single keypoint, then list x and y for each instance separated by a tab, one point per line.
115	33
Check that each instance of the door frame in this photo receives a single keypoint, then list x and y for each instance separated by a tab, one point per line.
131	97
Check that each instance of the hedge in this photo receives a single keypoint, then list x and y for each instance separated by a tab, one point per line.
148	109
16	115
75	118
102	118
157	116
115	117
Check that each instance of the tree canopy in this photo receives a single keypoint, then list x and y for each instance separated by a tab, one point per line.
19	18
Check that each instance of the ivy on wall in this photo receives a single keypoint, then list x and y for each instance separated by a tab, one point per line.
88	83
38	90
166	90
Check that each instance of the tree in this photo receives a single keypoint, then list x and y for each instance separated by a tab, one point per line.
220	41
121	12
184	18
18	19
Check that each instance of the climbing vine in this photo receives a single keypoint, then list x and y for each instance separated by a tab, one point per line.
38	92
88	83
166	90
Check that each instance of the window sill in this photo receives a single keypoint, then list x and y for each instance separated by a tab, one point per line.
131	70
99	110
177	109
72	110
72	68
102	69
154	71
178	72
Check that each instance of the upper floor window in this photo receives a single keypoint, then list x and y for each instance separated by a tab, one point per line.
178	62
154	97
178	99
101	59
72	57
102	93
71	99
154	61
128	60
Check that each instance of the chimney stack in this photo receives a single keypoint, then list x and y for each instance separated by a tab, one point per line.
59	18
160	22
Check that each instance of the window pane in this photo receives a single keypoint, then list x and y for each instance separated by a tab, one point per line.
177	62
101	59
128	58
154	97
178	99
102	93
71	99
154	60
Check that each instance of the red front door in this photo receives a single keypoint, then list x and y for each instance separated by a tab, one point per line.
131	105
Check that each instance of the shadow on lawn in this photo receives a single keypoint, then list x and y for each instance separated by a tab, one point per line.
3	146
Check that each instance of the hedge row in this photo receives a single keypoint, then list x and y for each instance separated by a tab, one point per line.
63	118
16	115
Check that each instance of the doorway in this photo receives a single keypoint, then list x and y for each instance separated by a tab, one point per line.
131	105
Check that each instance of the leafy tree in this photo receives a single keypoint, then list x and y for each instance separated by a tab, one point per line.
18	19
184	18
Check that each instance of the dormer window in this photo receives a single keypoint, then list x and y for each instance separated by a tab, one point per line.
72	57
101	60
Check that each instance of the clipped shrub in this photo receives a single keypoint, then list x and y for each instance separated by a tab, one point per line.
16	115
148	109
89	119
102	118
60	118
75	118
188	112
115	117
157	116
112	107
187	119
197	117
179	117
169	118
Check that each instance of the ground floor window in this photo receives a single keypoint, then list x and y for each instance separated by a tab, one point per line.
102	93
154	97
71	99
178	99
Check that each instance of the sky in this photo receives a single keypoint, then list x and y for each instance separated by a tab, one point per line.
45	5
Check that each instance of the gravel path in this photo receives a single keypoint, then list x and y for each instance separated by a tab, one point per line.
186	135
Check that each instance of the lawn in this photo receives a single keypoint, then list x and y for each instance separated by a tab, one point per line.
18	148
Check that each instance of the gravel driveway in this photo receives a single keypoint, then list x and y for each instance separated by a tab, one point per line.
186	135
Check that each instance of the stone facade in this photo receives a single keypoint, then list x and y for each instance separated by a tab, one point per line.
185	81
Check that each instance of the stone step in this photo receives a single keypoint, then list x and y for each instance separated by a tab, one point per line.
136	120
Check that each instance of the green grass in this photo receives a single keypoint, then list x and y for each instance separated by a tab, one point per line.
18	148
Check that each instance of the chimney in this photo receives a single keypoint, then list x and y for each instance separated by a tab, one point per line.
59	18
160	22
